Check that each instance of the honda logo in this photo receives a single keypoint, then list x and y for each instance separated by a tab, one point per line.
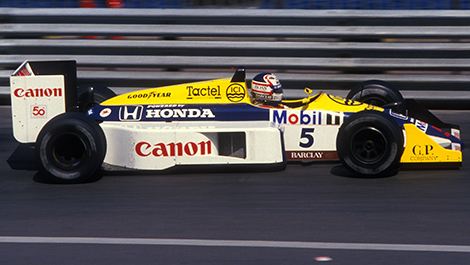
131	113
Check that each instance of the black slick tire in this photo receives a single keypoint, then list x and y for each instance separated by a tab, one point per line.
379	93
70	148
370	143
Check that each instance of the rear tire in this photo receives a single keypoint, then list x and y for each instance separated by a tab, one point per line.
370	143
380	94
70	148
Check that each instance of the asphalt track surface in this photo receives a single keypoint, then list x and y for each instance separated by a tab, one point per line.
307	214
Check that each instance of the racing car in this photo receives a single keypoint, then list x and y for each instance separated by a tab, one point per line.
77	132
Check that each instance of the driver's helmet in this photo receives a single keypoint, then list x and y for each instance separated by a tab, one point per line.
266	89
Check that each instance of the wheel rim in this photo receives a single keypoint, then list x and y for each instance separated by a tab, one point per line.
68	151
368	145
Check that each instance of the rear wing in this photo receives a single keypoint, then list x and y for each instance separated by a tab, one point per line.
39	92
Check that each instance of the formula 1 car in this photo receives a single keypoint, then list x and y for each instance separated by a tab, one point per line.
78	132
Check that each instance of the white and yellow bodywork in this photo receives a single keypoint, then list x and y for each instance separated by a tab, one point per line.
215	123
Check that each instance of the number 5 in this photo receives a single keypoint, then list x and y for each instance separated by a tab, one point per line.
306	134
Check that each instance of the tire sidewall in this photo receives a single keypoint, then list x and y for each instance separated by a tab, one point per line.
379	90
81	128
380	122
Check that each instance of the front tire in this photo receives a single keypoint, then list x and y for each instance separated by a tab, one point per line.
380	94
70	148
370	143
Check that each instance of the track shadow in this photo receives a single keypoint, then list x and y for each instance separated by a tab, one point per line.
39	177
23	158
342	171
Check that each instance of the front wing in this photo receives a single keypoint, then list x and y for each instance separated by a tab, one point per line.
421	148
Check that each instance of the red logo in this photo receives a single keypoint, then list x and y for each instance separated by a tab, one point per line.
38	92
39	111
173	149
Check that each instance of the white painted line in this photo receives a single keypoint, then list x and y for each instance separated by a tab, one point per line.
323	258
233	243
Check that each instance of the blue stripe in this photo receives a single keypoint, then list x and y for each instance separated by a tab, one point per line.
180	112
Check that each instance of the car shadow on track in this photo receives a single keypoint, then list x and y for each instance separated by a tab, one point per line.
24	158
342	171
